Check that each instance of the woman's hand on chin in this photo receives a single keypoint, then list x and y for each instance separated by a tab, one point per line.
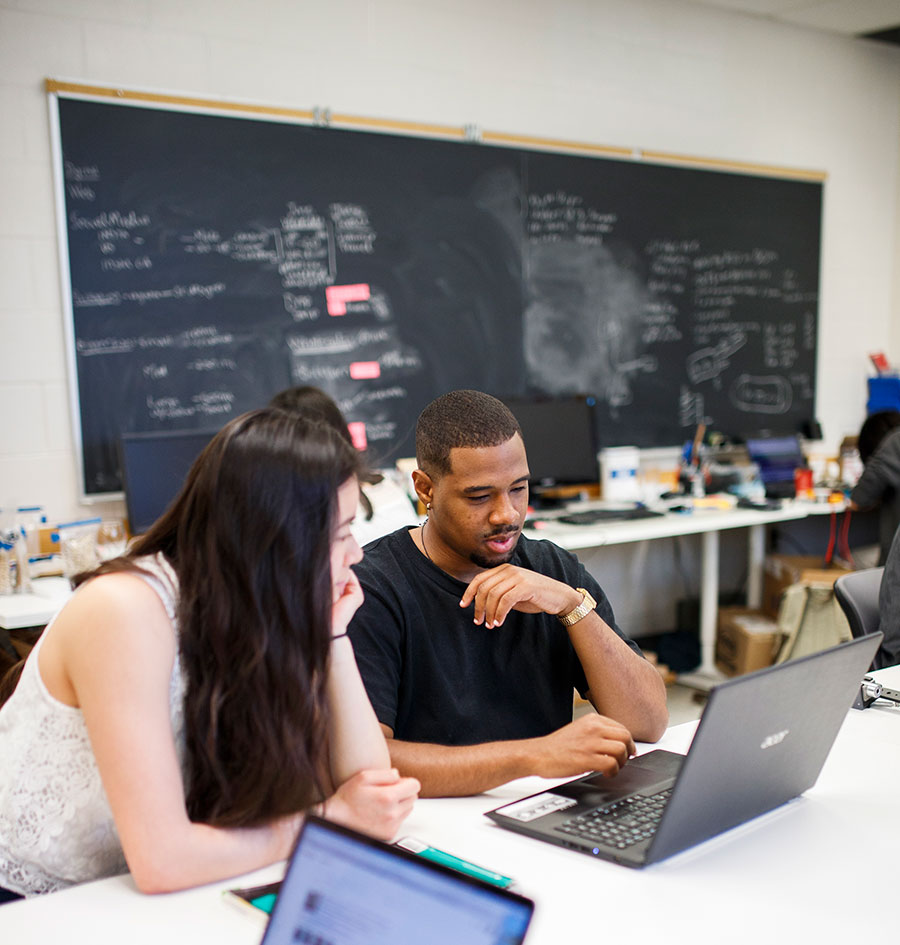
345	605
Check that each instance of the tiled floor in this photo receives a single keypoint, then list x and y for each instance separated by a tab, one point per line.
685	704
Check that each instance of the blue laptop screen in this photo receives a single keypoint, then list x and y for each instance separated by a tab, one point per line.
343	890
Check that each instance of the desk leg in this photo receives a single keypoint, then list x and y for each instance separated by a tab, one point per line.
709	602
706	675
756	554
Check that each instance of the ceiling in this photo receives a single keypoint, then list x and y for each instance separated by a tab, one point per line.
874	19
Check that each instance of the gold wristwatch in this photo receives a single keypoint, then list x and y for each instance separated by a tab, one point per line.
582	610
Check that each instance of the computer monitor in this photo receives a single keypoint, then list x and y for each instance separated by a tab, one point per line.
154	466
560	438
777	457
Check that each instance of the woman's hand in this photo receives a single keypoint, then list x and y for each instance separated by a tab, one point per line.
374	801
346	605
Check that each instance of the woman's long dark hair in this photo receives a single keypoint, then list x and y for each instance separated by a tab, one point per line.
249	537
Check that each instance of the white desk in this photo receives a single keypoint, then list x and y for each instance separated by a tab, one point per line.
705	522
818	869
35	609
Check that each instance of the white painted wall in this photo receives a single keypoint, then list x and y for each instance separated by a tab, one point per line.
655	74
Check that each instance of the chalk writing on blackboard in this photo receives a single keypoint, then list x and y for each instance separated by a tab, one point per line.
214	260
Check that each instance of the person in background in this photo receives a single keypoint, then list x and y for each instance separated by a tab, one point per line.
384	505
879	484
889	609
196	696
472	637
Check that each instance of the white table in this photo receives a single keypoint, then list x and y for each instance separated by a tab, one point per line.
708	523
818	869
37	608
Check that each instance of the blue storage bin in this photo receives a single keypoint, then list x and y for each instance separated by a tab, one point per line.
884	394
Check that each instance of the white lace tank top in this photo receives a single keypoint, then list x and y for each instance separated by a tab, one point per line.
56	826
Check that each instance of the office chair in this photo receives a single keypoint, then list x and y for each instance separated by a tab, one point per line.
857	593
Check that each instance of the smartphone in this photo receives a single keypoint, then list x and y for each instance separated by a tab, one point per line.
254	900
454	862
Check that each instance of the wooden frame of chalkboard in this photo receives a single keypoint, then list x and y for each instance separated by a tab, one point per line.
215	253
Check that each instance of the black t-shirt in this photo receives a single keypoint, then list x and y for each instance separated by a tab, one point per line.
432	675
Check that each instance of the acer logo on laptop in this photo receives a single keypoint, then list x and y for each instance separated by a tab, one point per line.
776	738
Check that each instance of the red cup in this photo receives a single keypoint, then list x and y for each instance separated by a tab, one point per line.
803	483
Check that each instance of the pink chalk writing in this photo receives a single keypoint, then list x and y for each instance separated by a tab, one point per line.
358	434
337	296
365	370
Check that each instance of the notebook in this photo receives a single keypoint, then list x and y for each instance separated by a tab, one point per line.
762	740
344	888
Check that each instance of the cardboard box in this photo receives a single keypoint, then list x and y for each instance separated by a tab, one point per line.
781	571
747	640
46	544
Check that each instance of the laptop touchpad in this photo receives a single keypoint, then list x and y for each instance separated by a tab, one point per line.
640	774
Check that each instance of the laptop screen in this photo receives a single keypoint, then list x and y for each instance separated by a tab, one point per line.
342	888
777	457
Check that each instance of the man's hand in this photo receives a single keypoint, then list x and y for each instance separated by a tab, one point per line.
590	743
499	590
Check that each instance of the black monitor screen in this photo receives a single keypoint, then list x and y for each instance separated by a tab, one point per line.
560	438
153	469
776	456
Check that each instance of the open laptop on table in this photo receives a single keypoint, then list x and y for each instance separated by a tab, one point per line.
343	888
762	740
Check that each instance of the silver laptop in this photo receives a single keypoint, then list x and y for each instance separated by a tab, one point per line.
343	888
762	740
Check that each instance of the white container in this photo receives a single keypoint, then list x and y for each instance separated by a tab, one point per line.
78	546
619	473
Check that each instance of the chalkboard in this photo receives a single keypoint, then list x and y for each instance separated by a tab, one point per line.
215	260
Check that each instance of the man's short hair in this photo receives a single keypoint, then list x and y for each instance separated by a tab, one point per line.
462	418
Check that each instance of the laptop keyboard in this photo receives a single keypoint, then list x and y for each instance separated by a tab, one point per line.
621	824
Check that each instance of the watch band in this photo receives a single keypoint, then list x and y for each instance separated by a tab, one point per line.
582	610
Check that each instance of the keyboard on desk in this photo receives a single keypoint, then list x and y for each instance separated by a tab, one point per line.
591	516
621	824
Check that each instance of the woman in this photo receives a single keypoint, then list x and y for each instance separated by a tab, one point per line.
197	695
384	504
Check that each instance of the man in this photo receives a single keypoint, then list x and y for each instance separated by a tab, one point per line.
472	637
